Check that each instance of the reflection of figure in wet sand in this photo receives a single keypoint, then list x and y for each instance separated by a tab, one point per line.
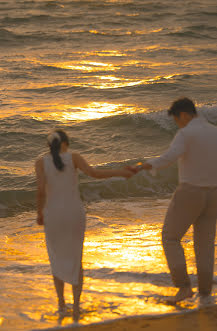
61	211
195	199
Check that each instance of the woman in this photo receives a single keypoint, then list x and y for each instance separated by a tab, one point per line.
60	209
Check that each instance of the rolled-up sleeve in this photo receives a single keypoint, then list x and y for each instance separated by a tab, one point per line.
176	150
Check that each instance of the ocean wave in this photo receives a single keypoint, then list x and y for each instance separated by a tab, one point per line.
134	88
161	86
30	132
10	37
194	32
24	138
13	127
16	201
57	89
209	13
151	119
140	185
70	36
6	34
26	19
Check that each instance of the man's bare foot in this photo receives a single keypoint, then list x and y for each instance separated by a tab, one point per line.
62	311
76	313
182	294
61	305
206	300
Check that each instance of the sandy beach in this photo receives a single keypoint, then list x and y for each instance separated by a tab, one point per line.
204	319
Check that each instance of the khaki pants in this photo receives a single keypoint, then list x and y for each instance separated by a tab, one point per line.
198	206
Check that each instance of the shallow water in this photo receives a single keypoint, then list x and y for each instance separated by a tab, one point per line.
125	269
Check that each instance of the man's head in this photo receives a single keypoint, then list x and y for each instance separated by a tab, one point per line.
182	110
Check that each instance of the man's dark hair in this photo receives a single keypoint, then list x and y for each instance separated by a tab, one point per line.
183	105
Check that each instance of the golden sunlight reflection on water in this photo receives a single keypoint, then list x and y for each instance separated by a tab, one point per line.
1	320
99	70
88	66
11	168
67	112
94	110
125	268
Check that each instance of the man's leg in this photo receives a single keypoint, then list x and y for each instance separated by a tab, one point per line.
185	207
204	244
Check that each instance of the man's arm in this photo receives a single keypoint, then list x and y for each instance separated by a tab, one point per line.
176	149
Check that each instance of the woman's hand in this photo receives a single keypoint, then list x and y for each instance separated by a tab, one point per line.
40	219
127	173
133	169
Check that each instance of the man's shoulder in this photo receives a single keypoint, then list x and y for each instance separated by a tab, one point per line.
199	127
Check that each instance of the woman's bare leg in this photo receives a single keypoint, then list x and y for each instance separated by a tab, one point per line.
59	286
77	289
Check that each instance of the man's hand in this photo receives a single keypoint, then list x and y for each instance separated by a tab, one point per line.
146	166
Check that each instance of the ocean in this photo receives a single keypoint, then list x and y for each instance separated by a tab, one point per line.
106	72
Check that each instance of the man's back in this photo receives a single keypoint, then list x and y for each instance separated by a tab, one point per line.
198	163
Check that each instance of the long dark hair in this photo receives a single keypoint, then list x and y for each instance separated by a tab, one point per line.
55	146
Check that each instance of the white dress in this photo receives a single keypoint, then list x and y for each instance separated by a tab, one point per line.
64	219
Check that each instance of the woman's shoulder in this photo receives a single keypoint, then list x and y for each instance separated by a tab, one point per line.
42	157
75	155
71	154
75	158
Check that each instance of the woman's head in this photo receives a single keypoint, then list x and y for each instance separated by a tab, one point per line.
57	140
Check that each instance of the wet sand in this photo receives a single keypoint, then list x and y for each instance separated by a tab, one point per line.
204	319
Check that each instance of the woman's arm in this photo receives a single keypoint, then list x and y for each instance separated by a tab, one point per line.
41	192
81	164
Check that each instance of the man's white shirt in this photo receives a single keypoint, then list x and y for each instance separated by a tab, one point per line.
195	149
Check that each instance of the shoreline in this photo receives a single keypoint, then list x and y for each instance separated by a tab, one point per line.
202	319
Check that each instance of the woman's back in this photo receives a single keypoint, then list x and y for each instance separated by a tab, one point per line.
60	209
61	186
64	218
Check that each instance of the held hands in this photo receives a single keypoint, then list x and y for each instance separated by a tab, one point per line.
127	173
130	171
145	166
140	166
133	169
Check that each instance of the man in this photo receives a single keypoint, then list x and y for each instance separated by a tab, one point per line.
195	199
